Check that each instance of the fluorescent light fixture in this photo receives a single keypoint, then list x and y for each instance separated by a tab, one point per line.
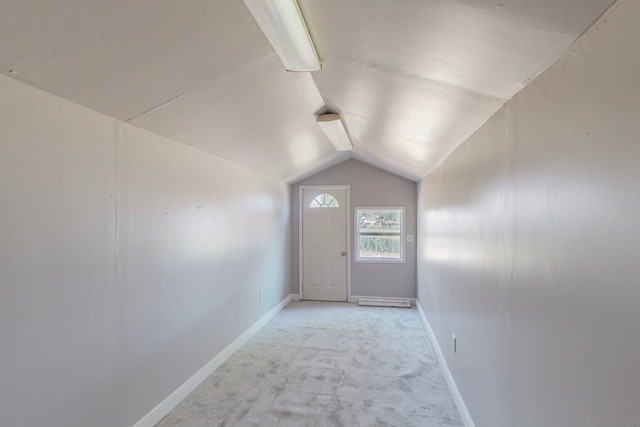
333	127
281	21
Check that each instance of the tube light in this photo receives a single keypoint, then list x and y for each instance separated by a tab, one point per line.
333	127
282	23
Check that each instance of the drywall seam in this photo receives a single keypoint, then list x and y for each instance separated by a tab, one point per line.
164	407
118	139
457	397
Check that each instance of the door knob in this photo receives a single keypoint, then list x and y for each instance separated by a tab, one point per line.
343	253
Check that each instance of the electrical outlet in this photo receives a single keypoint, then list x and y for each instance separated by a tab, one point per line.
453	343
261	296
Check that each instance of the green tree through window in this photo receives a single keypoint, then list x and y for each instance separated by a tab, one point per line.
380	234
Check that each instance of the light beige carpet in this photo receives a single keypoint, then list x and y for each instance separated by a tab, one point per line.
327	364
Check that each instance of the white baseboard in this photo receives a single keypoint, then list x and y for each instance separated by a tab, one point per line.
295	297
164	407
462	408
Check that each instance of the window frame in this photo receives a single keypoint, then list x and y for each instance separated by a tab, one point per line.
358	234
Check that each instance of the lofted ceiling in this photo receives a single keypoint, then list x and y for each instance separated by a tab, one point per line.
412	78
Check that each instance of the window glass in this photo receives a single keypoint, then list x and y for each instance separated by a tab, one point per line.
324	201
379	234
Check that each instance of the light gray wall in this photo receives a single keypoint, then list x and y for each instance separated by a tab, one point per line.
370	186
530	244
127	261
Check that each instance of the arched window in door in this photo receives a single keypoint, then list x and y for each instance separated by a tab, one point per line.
324	200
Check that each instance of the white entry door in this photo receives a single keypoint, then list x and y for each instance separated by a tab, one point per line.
324	244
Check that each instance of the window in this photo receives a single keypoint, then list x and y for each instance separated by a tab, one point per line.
380	234
324	201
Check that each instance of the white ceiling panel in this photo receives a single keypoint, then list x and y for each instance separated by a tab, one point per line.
259	116
413	79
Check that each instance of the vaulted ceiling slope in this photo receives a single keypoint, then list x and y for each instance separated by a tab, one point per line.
412	79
